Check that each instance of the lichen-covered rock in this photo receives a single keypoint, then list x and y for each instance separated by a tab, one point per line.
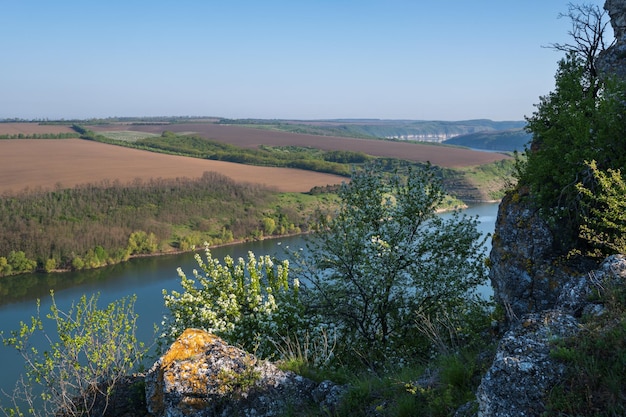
522	274
575	296
201	375
523	371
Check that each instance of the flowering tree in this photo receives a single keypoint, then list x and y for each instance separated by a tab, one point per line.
386	255
250	302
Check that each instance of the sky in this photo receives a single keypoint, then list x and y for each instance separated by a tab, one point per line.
279	59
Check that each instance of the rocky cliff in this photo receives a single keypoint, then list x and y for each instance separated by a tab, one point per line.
613	59
543	299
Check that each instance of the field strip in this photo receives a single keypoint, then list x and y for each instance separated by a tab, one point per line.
443	156
27	163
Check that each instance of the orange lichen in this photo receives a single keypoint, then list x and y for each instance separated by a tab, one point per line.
191	343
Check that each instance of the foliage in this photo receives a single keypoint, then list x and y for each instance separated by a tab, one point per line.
89	352
98	224
438	389
604	222
573	125
581	120
250	302
386	255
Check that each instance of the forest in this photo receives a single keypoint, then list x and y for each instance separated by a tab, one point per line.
98	224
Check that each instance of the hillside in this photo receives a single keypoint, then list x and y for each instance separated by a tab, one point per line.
504	140
419	130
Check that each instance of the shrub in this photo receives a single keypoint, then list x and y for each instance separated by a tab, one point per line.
251	303
386	255
604	207
90	351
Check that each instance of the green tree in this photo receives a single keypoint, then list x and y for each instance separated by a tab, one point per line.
387	255
581	120
141	242
20	263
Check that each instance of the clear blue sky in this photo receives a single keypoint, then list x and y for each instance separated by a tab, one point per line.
391	59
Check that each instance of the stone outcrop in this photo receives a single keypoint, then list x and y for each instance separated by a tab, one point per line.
522	273
543	302
201	375
613	59
523	371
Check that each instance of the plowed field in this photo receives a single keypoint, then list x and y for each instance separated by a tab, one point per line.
32	129
443	156
33	163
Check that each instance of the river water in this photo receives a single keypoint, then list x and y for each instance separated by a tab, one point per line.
144	277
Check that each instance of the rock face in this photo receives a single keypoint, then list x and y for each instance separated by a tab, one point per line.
521	273
522	371
543	303
201	375
613	60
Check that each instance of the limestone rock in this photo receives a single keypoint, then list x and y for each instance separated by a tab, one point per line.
522	275
523	371
613	59
201	375
575	296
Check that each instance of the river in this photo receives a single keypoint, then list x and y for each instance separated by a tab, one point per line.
144	277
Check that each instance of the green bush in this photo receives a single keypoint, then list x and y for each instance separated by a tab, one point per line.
604	211
581	120
90	350
386	255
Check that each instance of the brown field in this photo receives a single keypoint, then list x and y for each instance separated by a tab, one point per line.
443	156
34	163
32	129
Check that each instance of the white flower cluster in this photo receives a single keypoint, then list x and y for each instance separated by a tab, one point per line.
248	302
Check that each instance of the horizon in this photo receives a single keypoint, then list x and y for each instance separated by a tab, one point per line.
208	118
279	59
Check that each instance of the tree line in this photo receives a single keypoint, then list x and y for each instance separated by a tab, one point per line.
67	135
98	224
332	162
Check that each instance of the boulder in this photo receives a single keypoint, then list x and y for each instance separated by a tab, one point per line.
523	371
201	375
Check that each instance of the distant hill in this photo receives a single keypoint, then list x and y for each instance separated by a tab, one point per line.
505	140
418	130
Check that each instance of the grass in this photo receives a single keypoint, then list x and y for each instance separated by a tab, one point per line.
595	380
127	135
493	178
